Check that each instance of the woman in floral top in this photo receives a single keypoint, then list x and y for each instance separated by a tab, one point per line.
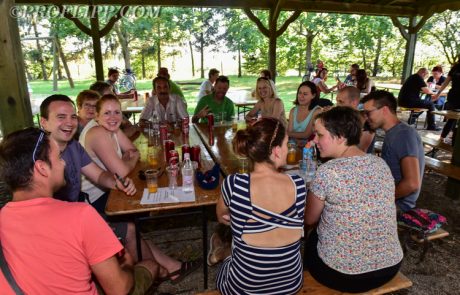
355	247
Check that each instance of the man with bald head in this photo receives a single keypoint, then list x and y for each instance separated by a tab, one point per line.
349	96
410	97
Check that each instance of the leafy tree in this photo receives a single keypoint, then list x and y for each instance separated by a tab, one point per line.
240	36
445	28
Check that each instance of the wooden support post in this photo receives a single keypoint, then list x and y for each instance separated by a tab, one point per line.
15	110
409	33
411	41
453	185
272	33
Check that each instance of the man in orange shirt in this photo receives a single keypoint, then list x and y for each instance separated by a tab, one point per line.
53	246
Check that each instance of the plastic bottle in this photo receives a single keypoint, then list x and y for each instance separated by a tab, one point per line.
155	123
187	174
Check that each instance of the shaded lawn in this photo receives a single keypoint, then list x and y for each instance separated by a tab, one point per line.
286	86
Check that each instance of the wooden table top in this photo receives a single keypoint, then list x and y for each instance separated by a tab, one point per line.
119	203
448	114
245	103
131	106
221	146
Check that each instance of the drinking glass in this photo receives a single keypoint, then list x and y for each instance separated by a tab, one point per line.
151	176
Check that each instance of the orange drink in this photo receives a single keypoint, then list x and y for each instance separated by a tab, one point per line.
291	156
152	157
153	187
152	180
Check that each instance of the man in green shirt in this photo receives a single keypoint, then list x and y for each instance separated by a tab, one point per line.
216	103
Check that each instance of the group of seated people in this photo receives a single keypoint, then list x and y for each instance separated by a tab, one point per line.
53	242
410	95
353	244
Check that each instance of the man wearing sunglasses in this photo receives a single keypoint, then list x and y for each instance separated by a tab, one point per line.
51	246
402	147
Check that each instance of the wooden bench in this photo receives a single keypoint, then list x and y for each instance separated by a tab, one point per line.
440	167
312	287
420	239
414	113
436	145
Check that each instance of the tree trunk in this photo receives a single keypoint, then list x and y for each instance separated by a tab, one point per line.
192	58
64	62
239	61
363	52
124	46
96	38
308	49
202	55
377	56
143	63
40	51
158	45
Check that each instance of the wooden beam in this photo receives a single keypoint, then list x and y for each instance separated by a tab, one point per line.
277	10
15	109
257	21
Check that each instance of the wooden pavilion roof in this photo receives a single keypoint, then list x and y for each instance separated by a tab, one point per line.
376	7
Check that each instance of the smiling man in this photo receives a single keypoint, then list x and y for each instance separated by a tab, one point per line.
402	147
216	102
169	107
59	118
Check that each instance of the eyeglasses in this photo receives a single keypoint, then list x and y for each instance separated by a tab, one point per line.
367	112
37	145
89	106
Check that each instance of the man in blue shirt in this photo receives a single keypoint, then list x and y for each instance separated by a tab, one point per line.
402	147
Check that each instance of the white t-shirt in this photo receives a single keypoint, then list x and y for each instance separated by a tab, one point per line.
205	89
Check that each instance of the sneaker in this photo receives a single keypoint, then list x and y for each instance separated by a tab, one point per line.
434	128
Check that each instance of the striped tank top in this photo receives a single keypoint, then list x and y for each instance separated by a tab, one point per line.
258	270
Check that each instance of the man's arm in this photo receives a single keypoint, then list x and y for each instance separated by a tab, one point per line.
113	277
107	179
410	181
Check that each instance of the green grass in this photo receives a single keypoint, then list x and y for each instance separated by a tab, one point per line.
286	86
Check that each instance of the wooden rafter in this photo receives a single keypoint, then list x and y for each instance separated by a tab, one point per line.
380	7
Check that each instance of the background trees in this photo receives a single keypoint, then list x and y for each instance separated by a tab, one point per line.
145	41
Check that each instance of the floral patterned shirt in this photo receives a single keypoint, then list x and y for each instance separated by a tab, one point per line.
357	232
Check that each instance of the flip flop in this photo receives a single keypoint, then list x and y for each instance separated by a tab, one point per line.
186	268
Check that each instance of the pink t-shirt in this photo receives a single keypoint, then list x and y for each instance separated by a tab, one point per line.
50	245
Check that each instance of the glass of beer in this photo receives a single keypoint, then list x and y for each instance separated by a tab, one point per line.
152	180
292	151
152	157
243	165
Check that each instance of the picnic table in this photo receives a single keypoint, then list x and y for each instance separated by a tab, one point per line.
216	147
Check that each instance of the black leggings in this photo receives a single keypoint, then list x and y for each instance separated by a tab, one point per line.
340	281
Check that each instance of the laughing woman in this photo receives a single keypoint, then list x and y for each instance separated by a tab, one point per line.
355	247
111	150
107	146
268	104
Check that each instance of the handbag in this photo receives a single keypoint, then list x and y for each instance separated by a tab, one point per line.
423	221
7	273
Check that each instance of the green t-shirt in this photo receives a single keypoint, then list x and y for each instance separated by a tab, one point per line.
227	107
175	89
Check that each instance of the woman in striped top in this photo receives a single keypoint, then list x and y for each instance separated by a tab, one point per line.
265	210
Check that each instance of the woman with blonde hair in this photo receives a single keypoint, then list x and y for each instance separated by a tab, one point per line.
268	104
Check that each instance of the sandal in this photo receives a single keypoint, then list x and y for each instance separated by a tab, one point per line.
185	269
212	259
